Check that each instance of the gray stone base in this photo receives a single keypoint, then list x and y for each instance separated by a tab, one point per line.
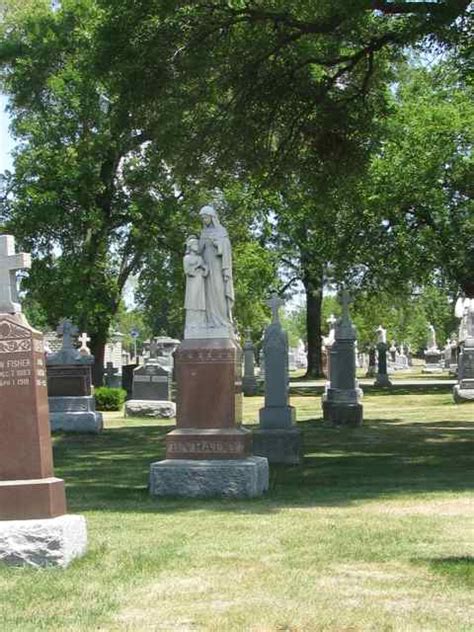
461	395
239	478
40	543
432	369
278	445
277	417
74	414
382	379
150	408
342	414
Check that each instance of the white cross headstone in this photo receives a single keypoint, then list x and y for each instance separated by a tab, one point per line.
10	263
274	303
84	339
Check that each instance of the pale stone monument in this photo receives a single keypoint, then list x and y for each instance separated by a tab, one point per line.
341	401
69	370
432	354
209	454
464	389
249	381
35	529
382	378
277	437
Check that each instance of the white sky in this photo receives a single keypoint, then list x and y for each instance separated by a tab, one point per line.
6	142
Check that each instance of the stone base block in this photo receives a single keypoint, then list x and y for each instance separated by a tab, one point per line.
277	417
341	414
236	478
150	408
249	386
461	395
382	379
77	422
31	499
279	445
42	543
432	369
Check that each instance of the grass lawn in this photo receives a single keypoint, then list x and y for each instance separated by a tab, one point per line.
373	532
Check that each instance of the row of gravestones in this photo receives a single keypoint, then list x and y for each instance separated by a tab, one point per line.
207	454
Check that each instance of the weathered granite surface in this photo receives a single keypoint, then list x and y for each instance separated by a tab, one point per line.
232	478
150	408
42	543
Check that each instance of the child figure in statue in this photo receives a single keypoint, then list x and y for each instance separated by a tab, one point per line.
195	299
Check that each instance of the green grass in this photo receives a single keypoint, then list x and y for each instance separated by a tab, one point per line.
372	532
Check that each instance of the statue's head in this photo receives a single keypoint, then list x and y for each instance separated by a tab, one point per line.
192	244
209	215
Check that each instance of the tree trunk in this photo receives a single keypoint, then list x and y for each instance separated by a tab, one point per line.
98	351
314	299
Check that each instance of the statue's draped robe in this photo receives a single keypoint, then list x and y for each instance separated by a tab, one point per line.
216	252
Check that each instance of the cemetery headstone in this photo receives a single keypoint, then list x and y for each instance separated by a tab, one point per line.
71	402
209	454
111	377
277	437
35	529
464	389
249	381
432	354
341	401
372	367
151	392
382	378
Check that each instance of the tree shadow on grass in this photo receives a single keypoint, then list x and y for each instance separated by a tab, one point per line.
341	467
458	570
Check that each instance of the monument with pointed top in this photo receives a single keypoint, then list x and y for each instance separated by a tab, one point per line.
34	527
341	401
277	437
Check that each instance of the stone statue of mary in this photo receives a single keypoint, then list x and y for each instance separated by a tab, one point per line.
216	252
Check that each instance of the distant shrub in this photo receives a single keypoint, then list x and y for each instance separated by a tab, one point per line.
109	398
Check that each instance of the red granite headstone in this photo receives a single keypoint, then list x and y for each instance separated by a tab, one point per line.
28	488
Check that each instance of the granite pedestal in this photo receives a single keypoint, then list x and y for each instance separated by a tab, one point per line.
208	454
432	362
34	527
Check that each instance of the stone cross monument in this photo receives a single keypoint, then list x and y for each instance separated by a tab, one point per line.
34	527
209	454
277	437
10	264
340	402
382	378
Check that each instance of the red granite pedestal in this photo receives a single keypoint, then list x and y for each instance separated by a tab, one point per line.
209	454
33	526
28	488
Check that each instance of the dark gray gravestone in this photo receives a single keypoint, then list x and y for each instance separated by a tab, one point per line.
111	377
341	404
249	381
277	438
382	375
127	378
71	403
151	382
